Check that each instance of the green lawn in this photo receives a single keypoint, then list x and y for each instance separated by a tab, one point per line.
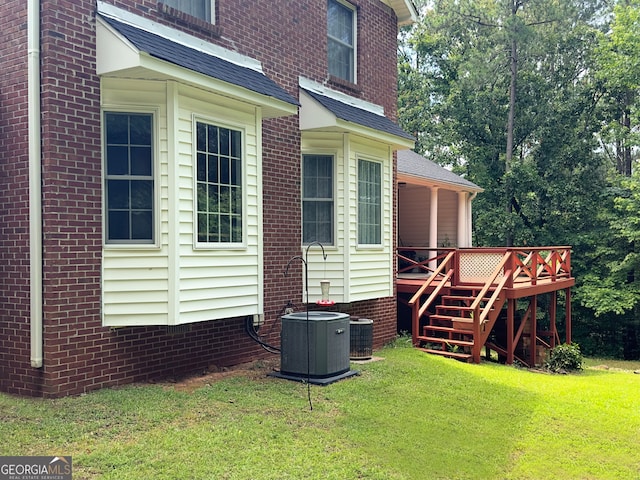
409	416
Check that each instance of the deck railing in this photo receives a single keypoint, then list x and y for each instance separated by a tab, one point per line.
476	265
491	269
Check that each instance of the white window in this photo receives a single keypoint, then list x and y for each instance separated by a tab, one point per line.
341	47
203	9
369	203
129	182
317	199
219	198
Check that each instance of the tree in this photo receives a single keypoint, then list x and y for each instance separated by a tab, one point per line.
462	65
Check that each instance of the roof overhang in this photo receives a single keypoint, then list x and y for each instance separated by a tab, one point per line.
405	11
323	110
431	183
130	47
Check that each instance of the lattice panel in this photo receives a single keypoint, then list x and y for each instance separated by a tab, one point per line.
474	266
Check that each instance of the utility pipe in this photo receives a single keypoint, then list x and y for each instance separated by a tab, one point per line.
35	185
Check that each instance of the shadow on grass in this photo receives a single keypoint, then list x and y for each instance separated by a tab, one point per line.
434	418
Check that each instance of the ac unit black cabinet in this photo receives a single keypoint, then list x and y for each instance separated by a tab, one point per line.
314	344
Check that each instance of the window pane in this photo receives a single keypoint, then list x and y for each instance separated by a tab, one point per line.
202	197
141	161
196	8
236	229
118	225
117	160
141	225
202	167
369	202
202	227
317	199
224	142
212	139
140	129
141	194
117	194
341	40
129	184
224	171
201	137
223	185
117	129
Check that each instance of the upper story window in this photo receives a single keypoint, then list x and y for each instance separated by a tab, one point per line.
317	199
341	47
369	203
129	183
202	9
219	184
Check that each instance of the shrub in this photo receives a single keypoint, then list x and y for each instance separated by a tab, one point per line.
565	358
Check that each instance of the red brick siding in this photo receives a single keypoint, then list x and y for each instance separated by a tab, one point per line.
289	38
14	201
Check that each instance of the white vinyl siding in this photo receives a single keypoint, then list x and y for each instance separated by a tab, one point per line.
356	272
175	282
447	218
414	210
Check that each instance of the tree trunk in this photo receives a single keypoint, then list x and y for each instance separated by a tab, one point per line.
510	127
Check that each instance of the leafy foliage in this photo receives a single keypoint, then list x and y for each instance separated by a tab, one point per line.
575	136
565	358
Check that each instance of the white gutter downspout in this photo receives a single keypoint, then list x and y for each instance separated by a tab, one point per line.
35	185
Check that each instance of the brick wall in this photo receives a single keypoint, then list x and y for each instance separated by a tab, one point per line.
14	195
81	355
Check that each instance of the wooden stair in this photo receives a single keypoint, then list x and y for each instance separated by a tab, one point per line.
449	330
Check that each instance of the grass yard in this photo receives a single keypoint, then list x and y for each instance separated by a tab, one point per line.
409	416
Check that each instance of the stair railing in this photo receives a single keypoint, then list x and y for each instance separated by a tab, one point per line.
479	317
417	310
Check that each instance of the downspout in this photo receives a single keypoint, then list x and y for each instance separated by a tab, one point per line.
35	185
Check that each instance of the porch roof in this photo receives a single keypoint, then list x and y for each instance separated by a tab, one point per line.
414	165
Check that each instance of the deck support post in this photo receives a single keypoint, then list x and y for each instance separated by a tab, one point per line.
568	315
534	329
552	318
511	308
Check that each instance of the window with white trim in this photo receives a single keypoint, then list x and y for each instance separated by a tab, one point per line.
317	199
202	9
369	202
129	182
341	46
219	197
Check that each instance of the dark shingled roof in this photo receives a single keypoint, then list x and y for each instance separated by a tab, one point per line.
197	61
359	116
411	163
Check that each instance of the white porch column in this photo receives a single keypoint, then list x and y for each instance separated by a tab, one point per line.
470	220
462	219
433	227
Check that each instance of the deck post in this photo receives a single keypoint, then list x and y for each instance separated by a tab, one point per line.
534	329
552	318
568	315
511	308
415	322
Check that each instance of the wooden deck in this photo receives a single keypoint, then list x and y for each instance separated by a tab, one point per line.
464	300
